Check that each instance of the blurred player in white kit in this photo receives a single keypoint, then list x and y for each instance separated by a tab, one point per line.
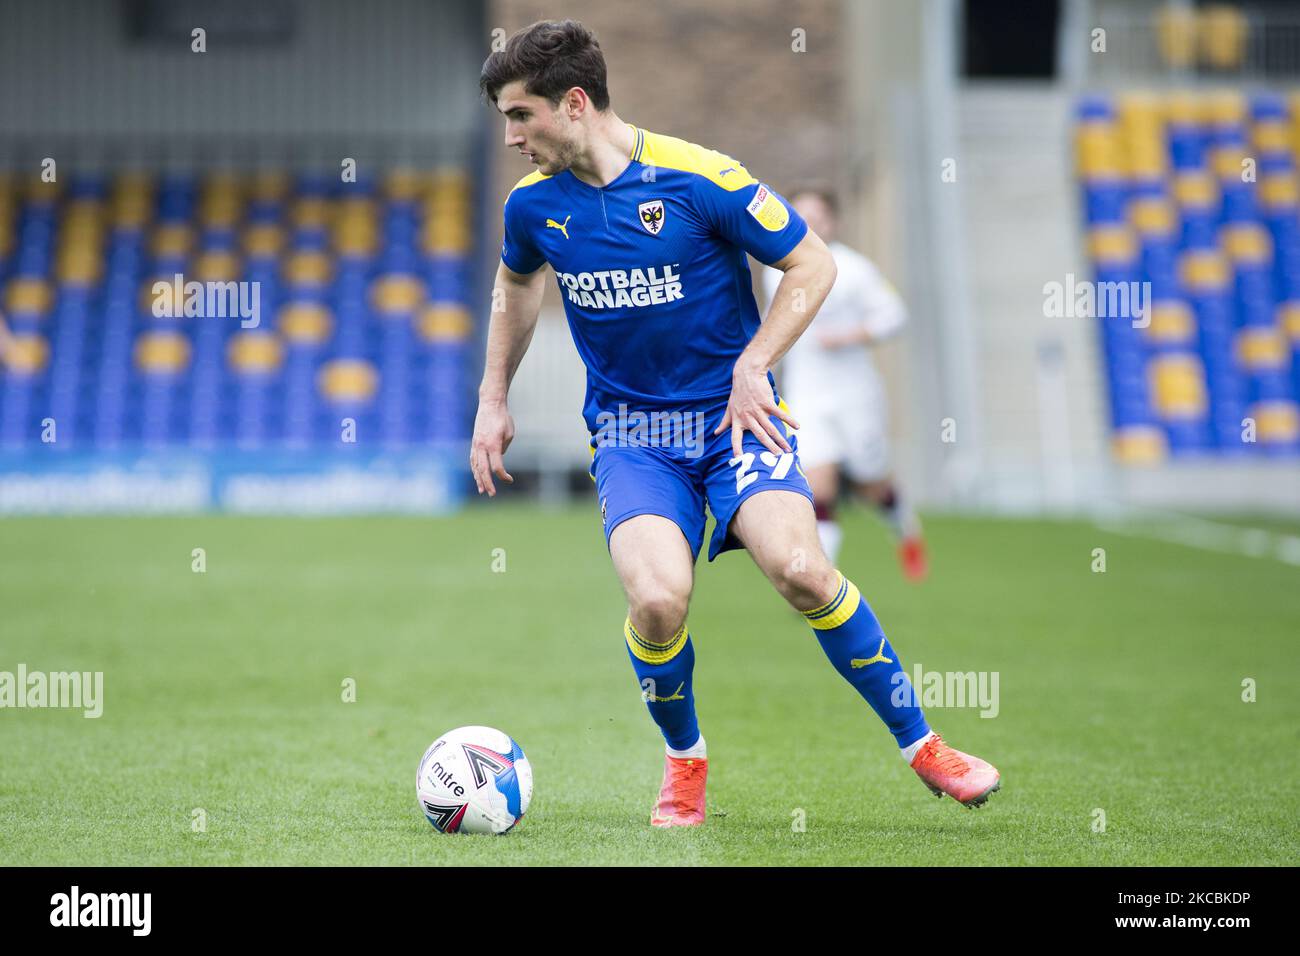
832	386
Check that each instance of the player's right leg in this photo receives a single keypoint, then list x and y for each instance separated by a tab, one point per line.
654	521
656	567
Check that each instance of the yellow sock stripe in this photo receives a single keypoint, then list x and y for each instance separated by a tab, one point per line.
837	610
653	653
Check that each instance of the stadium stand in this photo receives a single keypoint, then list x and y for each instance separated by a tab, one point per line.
362	293
1196	194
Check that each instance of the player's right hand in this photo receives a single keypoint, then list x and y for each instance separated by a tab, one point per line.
494	429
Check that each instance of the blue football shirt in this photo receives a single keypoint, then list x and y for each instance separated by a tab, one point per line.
653	269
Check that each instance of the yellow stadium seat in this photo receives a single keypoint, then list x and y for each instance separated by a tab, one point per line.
1172	323
1224	108
1112	244
1247	242
356	230
445	322
162	352
263	239
348	380
1177	384
172	239
404	185
1279	190
396	293
1261	348
311	212
1203	269
308	268
1223	34
305	323
28	354
1271	136
1176	31
1152	216
1276	422
1195	189
29	295
79	268
252	353
1139	445
220	213
1227	161
130	212
1183	109
216	266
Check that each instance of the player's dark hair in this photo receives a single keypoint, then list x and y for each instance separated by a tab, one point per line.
551	57
824	193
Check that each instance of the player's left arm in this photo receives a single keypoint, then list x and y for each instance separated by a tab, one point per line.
809	272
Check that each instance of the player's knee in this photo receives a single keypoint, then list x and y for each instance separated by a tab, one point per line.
658	611
806	585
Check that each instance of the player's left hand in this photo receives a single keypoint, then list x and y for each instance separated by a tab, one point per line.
750	408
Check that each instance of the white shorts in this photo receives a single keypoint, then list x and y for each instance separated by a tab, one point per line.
846	430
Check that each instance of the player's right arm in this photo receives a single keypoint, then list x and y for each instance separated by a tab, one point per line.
516	300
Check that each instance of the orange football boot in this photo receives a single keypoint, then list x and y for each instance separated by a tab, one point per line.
681	798
968	780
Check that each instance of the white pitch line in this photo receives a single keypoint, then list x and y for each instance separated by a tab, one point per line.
1207	535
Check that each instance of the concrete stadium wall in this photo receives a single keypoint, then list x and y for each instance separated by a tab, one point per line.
398	69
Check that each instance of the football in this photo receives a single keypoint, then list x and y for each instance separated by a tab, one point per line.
474	780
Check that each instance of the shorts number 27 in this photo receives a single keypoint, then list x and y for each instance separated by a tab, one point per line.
745	477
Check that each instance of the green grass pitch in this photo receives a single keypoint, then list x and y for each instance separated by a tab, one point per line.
1119	691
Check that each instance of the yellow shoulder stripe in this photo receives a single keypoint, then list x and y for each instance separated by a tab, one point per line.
536	176
669	152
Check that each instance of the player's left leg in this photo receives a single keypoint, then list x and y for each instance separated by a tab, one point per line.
779	530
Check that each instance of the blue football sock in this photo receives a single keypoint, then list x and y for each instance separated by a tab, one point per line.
664	672
851	637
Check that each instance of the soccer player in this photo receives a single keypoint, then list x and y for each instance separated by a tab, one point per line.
828	376
648	237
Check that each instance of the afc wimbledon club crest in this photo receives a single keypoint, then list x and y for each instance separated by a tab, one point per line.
651	215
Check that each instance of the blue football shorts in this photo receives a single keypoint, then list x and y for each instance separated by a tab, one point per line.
664	471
